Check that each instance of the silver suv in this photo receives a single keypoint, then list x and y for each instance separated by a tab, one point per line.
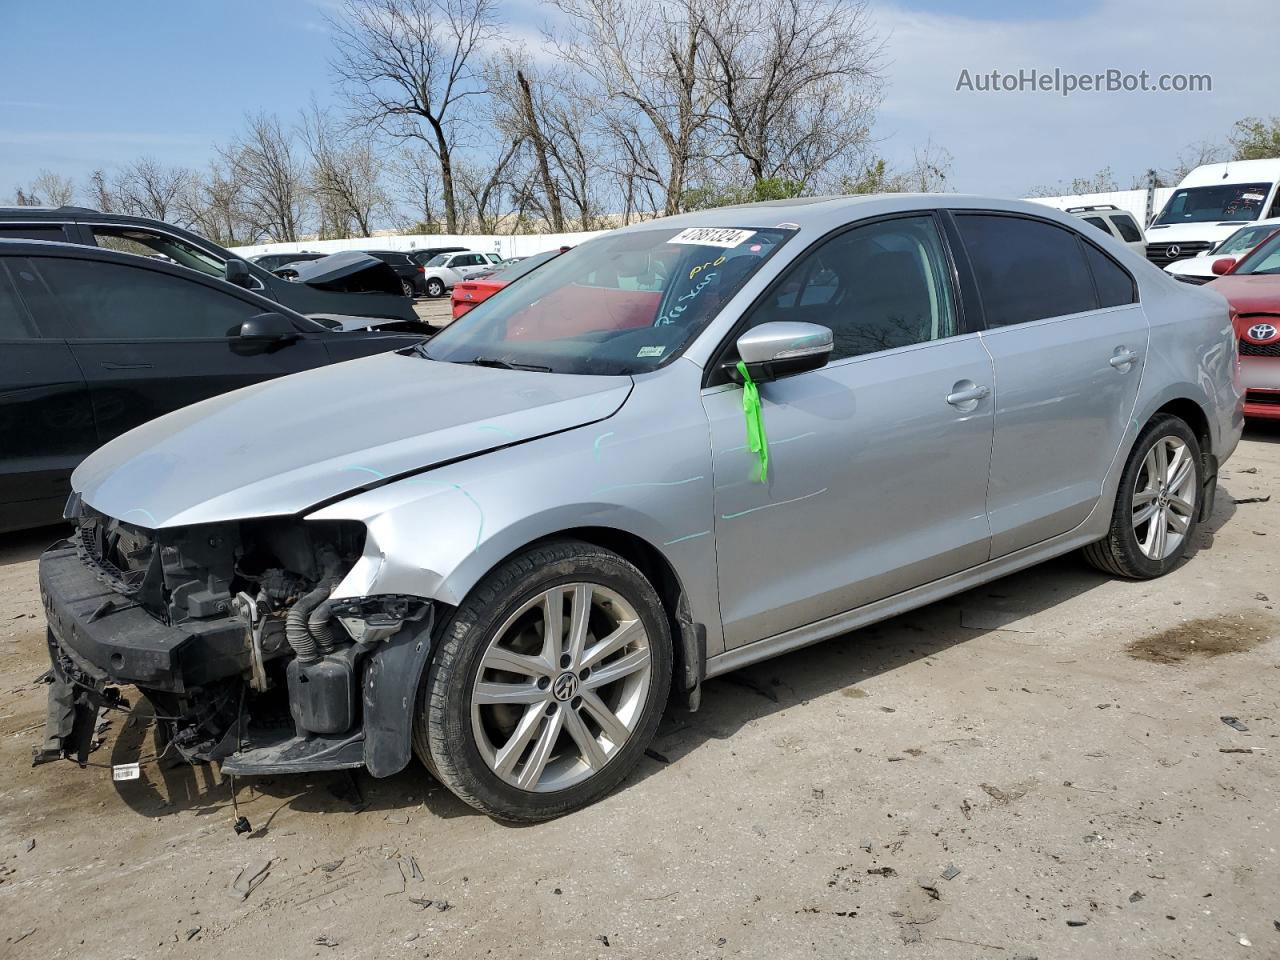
675	450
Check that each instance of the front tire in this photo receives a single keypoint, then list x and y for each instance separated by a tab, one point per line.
1157	504
435	287
548	683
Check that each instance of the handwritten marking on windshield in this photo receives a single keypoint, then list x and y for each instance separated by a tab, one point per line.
595	447
377	473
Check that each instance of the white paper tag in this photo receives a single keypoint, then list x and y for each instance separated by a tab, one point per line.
651	351
126	771
713	236
1253	196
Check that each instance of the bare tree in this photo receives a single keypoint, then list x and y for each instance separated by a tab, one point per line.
796	84
643	58
484	188
100	196
265	163
54	189
407	67
213	206
414	176
147	188
346	177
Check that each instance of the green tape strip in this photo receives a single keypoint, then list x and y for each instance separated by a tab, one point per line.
757	442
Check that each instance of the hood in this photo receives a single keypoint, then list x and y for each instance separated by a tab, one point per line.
280	447
1249	294
350	272
1210	231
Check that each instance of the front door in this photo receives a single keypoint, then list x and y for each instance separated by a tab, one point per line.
877	476
150	341
1069	341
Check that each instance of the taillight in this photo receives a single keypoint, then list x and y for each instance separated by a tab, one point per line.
422	269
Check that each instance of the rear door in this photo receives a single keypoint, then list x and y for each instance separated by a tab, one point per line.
46	421
1069	342
878	463
150	341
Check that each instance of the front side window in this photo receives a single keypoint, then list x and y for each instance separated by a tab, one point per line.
93	299
148	243
1127	229
877	287
1235	201
623	303
1026	269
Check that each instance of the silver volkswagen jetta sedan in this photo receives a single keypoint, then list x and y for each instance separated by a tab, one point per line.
675	450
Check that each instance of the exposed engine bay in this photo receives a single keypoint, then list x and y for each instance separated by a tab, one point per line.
233	634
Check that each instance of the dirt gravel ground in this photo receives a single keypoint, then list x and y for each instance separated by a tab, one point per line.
1051	742
438	311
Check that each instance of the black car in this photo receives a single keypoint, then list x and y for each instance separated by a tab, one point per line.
94	342
421	255
274	261
139	235
407	269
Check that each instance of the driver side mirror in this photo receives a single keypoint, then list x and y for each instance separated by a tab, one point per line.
269	328
782	349
1223	266
237	271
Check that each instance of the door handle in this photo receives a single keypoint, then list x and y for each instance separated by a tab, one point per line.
109	365
1124	357
968	395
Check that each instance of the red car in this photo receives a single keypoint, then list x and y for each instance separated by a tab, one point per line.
478	289
1252	287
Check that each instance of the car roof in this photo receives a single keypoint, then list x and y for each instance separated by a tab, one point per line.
811	215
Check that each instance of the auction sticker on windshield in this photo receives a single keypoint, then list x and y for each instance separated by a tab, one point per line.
713	236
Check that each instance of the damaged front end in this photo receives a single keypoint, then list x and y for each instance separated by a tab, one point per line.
234	633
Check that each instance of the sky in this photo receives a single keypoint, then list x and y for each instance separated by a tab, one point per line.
85	84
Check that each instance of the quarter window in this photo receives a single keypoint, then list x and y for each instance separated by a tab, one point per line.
1115	286
1099	223
1026	269
98	300
877	287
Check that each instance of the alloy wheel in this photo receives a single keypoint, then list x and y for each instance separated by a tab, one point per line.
561	687
1164	498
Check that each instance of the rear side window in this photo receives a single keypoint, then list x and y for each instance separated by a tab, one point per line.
1026	269
99	300
15	322
1099	223
32	231
1127	228
1115	286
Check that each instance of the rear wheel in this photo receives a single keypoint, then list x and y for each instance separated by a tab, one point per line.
407	287
548	683
435	287
1157	505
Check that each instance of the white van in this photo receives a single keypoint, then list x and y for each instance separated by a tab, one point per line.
1210	204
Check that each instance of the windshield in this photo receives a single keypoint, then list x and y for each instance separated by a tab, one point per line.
1264	260
623	303
437	261
1235	201
1245	239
